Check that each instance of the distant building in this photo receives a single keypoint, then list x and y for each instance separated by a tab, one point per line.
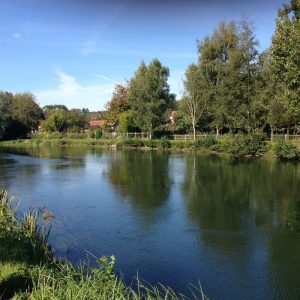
97	123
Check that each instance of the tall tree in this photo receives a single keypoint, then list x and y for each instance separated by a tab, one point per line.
194	102
149	95
285	62
25	114
5	99
228	60
118	103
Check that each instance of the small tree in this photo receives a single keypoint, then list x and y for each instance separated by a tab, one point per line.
118	103
194	103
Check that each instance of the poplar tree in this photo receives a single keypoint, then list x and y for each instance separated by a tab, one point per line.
149	95
285	61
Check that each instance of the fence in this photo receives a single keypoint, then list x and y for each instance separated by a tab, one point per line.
189	137
112	135
285	137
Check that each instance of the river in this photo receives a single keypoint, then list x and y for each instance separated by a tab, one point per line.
177	219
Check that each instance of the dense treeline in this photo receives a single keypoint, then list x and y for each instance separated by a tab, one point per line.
19	113
232	88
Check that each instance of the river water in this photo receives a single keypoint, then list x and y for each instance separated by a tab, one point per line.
177	219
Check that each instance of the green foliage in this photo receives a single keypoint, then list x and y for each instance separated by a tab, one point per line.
194	104
243	144
98	134
118	104
286	150
25	115
205	143
5	118
285	63
228	61
163	143
133	142
126	121
56	121
150	143
149	95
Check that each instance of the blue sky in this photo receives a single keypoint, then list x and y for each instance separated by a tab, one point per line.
73	52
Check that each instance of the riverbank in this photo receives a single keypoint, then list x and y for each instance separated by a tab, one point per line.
238	145
30	270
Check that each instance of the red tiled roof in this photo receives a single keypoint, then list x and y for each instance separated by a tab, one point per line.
97	123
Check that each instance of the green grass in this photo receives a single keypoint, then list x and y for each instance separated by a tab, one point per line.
29	270
238	145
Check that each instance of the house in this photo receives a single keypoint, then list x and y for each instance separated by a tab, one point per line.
97	123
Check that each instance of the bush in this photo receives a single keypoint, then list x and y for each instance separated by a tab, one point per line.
243	145
287	150
98	134
182	144
206	143
163	143
150	143
133	142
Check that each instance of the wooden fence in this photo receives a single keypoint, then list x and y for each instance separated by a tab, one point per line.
285	137
190	137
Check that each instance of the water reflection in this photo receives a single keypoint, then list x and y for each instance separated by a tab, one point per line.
141	180
175	218
222	193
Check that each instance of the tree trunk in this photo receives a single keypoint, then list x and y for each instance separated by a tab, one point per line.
150	132
194	130
272	133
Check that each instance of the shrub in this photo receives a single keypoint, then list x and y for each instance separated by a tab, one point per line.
133	142
243	144
287	150
163	143
91	134
98	134
182	144
206	143
150	143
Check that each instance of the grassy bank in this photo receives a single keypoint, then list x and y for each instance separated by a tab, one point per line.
29	269
240	145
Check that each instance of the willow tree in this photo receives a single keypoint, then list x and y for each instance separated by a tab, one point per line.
149	95
194	102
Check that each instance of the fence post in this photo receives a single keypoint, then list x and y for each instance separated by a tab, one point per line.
135	134
185	137
285	137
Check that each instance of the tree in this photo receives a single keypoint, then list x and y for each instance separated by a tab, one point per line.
228	60
285	62
149	95
56	121
194	103
47	109
126	121
118	103
5	99
25	114
214	54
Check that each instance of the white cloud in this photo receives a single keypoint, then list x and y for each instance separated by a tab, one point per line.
71	93
105	78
